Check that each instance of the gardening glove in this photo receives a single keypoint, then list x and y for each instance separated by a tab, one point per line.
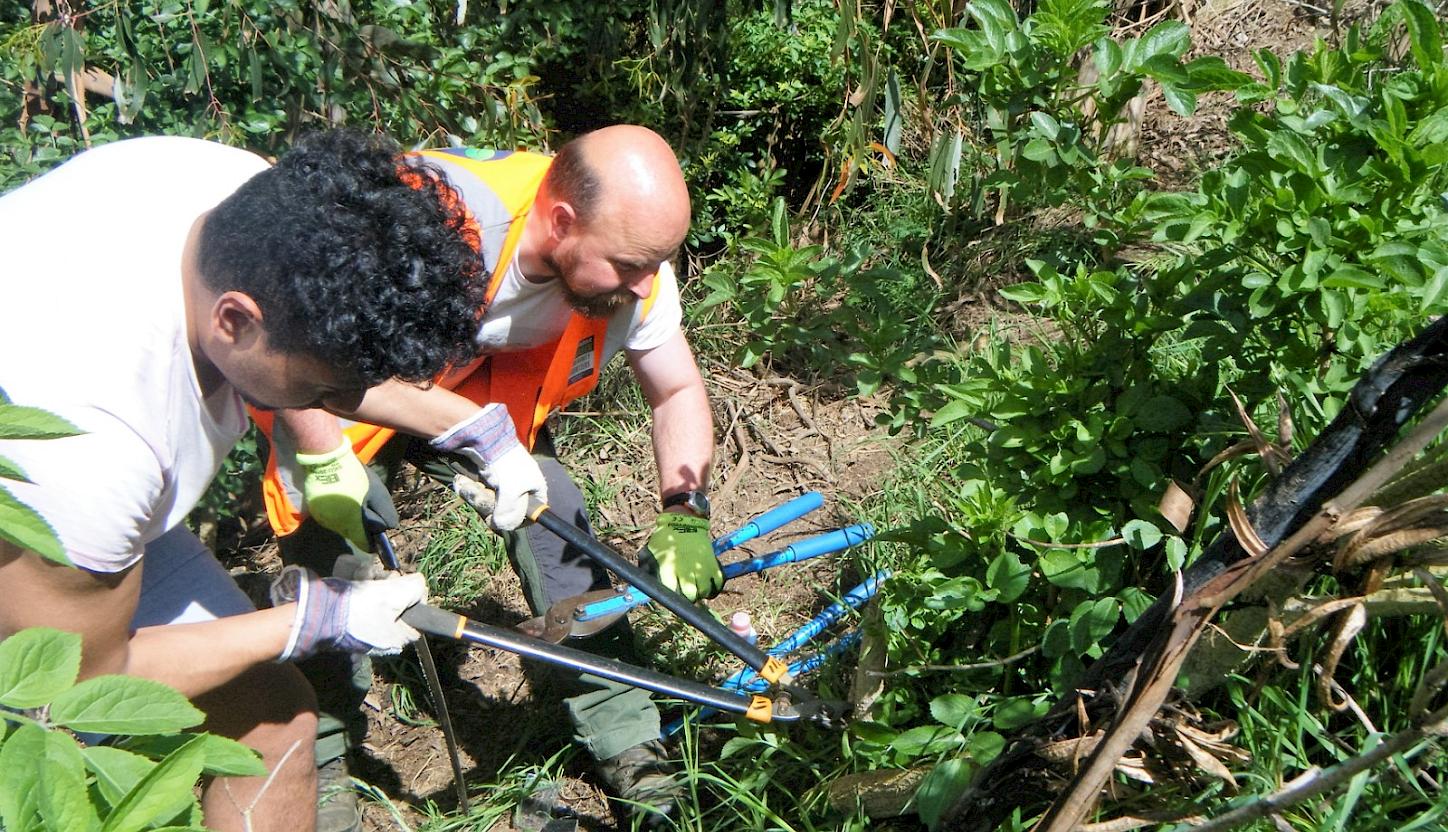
487	440
351	616
682	555
334	488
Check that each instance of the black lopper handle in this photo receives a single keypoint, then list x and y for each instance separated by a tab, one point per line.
606	557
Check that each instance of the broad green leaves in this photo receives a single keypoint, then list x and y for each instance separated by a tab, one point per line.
19	524
36	666
46	777
123	705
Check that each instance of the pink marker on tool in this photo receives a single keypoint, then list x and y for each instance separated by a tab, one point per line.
740	624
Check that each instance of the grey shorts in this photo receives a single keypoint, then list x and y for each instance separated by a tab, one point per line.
182	582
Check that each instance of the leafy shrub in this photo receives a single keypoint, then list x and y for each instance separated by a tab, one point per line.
143	779
20	524
1043	131
255	74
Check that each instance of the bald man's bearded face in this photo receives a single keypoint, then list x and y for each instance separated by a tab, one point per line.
595	304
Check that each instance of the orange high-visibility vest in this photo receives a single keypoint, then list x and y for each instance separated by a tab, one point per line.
498	189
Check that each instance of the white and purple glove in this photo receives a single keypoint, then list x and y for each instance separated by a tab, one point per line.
351	616
489	441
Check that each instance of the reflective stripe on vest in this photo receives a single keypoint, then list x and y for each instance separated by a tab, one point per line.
533	383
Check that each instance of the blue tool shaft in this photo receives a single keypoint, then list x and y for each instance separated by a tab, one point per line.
812	628
805	665
770	520
824	544
804	550
829	615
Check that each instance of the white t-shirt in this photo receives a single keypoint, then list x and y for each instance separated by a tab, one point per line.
94	330
524	314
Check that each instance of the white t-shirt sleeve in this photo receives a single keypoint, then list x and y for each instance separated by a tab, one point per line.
98	490
663	319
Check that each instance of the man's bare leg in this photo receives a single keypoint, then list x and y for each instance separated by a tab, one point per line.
272	709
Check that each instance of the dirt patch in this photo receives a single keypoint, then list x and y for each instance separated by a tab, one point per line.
1179	148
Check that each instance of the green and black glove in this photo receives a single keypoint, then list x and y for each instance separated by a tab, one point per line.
681	553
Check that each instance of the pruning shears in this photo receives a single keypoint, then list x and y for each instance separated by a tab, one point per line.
589	613
790	702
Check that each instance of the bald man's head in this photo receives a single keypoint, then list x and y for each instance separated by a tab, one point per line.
613	206
624	169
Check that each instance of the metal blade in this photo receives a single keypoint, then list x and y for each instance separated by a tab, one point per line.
561	619
444	720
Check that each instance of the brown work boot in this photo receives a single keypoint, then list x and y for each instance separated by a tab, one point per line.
337	807
645	778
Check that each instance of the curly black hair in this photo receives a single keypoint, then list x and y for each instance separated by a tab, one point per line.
356	257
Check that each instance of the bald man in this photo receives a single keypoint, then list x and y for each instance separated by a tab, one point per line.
577	246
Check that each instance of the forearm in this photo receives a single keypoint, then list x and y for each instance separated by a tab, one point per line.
314	431
413	410
683	439
200	657
683	426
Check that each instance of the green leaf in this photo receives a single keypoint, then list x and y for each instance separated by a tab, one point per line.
1181	102
1013	713
1167	70
1170	37
20	422
24	527
1092	621
926	739
11	471
162	793
952	412
223	757
1024	293
1352	277
37	665
1176	553
1048	126
1108	58
985	746
940	789
1134	602
1063	569
63	800
874	732
1433	292
1141	535
1271	66
1007	576
1162	414
124	705
1423	33
1212	73
117	771
20	777
1283	145
953	709
997	21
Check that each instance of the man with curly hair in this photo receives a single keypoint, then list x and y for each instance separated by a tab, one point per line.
577	246
201	280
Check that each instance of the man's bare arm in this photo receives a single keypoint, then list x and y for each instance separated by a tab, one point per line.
683	426
424	412
193	658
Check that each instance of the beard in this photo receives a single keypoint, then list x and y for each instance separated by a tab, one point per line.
597	306
589	306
